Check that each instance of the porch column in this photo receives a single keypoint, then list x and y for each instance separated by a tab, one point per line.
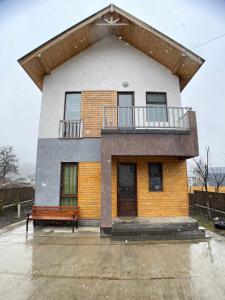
106	195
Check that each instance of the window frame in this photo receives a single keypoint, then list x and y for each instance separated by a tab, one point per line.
133	104
71	92
155	103
125	93
62	180
150	177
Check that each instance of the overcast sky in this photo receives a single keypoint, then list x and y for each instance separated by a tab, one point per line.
25	24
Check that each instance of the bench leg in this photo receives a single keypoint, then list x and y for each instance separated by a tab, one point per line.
27	225
77	224
73	227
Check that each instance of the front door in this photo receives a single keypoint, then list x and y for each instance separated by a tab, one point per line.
126	190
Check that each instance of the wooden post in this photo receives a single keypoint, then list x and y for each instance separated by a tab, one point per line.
18	210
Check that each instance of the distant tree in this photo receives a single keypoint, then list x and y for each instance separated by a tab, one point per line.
219	177
8	162
202	169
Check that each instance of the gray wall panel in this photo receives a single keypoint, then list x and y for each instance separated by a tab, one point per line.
50	154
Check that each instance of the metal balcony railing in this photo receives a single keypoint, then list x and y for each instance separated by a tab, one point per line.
70	129
145	117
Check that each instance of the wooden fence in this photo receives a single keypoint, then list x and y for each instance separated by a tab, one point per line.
15	195
216	201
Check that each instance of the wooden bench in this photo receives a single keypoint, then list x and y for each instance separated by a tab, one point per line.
54	213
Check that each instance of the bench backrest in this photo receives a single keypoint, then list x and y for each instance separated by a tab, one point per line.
57	211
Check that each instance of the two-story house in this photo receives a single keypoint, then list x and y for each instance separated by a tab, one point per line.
113	135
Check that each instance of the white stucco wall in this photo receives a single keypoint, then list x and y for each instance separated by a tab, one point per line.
104	66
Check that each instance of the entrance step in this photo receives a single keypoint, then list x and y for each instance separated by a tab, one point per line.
157	229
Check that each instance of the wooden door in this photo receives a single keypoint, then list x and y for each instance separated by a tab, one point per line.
127	190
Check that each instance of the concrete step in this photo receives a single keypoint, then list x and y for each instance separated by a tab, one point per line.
155	227
192	225
154	235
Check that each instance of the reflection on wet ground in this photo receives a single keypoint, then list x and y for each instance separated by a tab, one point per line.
53	263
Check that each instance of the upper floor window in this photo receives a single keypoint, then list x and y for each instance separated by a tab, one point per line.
72	106
156	110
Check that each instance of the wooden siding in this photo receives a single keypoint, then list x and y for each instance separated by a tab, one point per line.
89	190
92	110
172	201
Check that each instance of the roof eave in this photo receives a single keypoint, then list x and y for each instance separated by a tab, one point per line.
38	51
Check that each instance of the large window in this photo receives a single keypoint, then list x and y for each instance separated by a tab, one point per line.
156	107
72	106
68	195
155	177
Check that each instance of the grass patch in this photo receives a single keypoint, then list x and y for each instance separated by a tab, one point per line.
208	224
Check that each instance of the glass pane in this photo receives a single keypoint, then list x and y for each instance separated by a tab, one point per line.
69	201
126	176
127	183
72	106
125	99
70	179
156	184
156	98
69	184
155	169
125	116
155	176
156	113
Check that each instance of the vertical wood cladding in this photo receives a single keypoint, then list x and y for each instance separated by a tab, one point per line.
172	201
92	110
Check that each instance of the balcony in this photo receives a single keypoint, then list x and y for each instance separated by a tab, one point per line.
70	129
149	131
143	119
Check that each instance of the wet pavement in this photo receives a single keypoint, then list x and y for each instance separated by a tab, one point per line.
53	263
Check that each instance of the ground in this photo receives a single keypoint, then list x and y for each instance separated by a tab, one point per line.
9	216
53	263
208	224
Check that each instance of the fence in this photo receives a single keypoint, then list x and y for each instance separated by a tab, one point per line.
10	196
216	201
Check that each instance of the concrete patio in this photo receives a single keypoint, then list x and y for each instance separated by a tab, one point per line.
53	263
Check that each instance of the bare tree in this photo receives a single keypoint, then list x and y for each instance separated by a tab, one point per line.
218	177
8	162
202	169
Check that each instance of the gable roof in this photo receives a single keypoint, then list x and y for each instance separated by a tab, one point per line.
111	20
